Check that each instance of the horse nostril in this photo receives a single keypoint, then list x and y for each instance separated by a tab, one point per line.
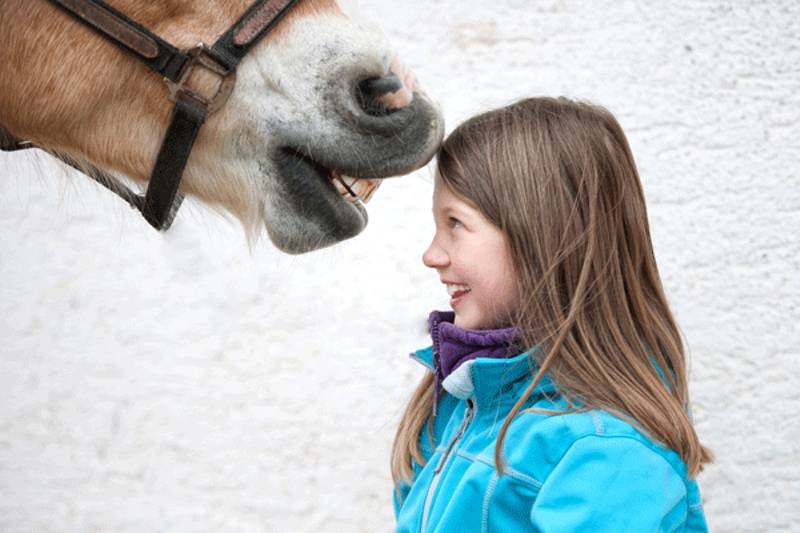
369	94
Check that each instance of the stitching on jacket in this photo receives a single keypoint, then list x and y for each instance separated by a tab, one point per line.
598	424
516	474
486	499
682	522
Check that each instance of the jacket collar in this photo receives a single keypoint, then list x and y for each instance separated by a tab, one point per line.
455	347
487	380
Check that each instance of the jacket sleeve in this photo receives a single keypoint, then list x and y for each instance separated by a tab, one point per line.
605	483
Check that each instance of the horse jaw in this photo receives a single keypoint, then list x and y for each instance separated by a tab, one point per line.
296	92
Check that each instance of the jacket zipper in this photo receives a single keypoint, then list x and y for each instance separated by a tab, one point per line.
469	414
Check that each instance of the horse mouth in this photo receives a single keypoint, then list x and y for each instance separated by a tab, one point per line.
352	189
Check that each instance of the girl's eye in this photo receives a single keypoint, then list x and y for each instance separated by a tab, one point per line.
454	222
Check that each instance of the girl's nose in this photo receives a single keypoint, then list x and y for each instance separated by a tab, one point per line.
435	256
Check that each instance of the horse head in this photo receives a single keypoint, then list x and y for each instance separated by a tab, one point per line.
322	109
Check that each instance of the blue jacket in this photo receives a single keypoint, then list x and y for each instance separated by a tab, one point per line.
588	471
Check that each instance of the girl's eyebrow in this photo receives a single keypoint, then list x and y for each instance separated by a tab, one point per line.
449	209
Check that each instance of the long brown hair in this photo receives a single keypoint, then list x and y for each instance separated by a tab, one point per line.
558	178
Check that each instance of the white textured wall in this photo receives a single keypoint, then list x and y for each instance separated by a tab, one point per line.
181	382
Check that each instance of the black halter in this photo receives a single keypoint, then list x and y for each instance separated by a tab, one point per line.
161	201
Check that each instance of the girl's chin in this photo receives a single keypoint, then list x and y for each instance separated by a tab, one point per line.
464	321
467	317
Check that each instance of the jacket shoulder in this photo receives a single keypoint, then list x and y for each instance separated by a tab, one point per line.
537	442
618	473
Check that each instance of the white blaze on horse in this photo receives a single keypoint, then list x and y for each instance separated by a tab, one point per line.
320	107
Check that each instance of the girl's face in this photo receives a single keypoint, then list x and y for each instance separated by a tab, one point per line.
472	259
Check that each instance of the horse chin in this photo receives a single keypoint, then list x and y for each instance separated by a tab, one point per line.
306	212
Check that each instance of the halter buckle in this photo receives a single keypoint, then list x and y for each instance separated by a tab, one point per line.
210	85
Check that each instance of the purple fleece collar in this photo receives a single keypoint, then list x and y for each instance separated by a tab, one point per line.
453	346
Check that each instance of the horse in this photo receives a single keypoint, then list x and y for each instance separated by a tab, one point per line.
321	111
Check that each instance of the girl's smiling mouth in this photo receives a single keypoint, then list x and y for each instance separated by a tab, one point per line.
457	292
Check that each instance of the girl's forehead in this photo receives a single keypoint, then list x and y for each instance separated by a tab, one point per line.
445	201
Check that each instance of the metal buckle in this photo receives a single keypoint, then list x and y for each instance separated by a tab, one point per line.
211	93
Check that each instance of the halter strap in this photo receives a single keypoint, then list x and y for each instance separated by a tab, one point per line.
161	201
128	34
255	23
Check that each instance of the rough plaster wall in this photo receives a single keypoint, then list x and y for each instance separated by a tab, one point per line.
183	383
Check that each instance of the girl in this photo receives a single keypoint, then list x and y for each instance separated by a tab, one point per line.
557	395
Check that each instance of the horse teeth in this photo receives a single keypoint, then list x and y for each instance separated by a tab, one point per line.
372	186
363	189
340	188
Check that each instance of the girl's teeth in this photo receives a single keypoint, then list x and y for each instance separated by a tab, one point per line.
453	289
